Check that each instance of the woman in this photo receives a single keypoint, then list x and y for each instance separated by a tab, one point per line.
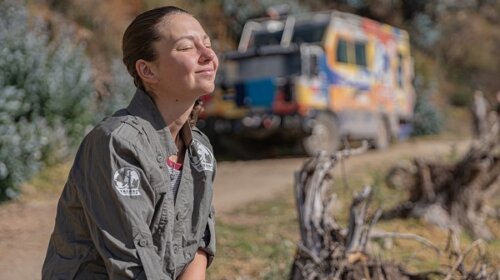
137	203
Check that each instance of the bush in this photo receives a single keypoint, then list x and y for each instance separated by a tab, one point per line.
426	119
45	88
462	97
121	89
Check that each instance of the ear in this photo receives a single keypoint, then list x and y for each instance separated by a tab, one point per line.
147	71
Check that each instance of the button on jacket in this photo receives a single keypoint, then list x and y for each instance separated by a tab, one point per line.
117	217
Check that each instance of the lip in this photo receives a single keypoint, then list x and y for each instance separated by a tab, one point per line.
205	71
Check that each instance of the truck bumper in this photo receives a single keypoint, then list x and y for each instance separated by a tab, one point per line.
258	126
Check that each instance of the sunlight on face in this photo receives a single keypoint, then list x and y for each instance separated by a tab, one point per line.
186	63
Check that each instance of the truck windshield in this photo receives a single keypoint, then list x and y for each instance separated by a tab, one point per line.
309	33
302	33
265	38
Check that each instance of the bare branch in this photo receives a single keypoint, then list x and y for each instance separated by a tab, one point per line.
398	235
461	258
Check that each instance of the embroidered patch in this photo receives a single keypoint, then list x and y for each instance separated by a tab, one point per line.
126	181
202	158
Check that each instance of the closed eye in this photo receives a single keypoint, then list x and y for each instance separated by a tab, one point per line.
184	48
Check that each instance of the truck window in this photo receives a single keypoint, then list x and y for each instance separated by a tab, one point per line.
400	71
277	65
342	51
309	33
360	51
266	39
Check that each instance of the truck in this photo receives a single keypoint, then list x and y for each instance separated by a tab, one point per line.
317	78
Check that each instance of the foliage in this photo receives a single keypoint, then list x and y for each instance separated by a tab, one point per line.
120	91
44	92
469	66
426	119
461	97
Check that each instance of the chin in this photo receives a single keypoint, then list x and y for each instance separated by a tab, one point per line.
207	90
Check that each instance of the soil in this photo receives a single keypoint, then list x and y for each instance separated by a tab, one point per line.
26	224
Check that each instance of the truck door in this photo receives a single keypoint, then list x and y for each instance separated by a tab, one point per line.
312	90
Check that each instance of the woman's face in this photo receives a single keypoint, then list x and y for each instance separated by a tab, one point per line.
185	63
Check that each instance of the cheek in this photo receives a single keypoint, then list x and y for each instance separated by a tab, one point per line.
178	67
216	63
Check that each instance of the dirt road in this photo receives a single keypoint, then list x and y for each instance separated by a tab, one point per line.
25	225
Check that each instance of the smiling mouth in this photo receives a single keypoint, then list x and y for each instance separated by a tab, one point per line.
207	71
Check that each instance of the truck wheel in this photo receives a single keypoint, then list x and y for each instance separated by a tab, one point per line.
324	136
382	139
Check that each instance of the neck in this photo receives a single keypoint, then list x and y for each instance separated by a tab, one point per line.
175	112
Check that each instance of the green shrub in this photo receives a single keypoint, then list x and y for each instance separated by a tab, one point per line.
462	97
45	88
426	119
120	91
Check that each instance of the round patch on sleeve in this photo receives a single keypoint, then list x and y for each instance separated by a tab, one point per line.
127	180
202	158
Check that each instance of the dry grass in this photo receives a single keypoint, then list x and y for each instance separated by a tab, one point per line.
48	183
258	241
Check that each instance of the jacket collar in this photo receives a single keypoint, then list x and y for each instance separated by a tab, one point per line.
143	106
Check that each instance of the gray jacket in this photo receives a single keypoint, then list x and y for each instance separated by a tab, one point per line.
117	218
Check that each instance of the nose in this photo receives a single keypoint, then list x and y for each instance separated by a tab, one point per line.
207	54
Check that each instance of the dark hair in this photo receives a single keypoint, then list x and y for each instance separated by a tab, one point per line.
197	109
139	37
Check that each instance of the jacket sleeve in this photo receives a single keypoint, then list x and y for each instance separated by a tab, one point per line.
208	242
118	202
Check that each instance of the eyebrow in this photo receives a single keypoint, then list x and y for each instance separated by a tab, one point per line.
191	37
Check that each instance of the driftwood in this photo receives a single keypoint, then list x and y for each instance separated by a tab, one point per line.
455	195
325	250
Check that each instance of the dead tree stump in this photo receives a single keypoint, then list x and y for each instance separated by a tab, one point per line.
455	195
325	250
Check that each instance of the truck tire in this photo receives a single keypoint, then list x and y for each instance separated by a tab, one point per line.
382	138
324	135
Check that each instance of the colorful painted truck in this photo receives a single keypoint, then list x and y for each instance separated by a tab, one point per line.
317	78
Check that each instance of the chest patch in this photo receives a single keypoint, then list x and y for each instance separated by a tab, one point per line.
126	181
202	158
